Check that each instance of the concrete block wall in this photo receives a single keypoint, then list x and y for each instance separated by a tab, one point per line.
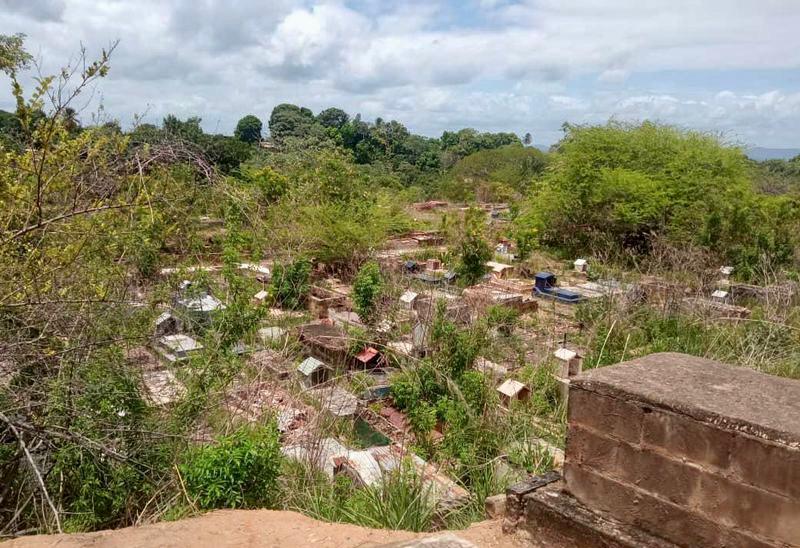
690	450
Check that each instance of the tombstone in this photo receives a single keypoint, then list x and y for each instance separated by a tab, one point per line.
196	307
419	339
512	390
260	298
408	298
312	372
368	358
178	347
720	296
570	363
271	334
167	324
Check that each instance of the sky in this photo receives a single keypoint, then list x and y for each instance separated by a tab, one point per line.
726	66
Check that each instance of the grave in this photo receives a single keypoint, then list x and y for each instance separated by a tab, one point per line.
336	400
177	347
312	372
512	390
163	388
673	450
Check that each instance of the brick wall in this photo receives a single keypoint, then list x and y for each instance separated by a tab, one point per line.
693	451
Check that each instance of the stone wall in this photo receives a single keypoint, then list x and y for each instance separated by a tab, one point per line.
690	450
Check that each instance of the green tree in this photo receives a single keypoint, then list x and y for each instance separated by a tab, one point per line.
499	173
188	130
70	120
248	129
367	289
13	57
226	152
621	186
271	185
473	249
333	118
287	121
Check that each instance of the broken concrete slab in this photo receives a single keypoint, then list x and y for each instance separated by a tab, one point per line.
270	361
163	388
336	400
269	335
178	347
495	506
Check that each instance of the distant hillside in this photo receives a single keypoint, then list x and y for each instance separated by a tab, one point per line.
760	153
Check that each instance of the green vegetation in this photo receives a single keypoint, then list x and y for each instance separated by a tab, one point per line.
238	471
472	247
494	174
100	225
290	284
367	288
248	129
625	187
765	342
401	501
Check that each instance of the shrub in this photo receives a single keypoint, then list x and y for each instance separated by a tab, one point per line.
619	186
367	289
290	284
473	249
238	471
502	318
526	239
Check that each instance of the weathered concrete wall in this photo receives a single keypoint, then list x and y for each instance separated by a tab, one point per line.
690	450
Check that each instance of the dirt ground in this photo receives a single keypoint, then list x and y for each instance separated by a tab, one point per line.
257	528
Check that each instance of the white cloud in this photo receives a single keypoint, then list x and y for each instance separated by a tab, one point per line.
492	64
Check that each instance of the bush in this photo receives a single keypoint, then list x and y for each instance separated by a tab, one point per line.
473	249
367	289
290	284
494	175
502	318
619	187
238	471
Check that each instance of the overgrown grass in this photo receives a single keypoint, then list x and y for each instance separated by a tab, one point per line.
403	500
763	342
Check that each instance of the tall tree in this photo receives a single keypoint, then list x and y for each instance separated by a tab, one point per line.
71	122
248	129
289	120
13	56
189	130
333	117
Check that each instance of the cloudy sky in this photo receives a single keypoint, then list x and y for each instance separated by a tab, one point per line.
729	66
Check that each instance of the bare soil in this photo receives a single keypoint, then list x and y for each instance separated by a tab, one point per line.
258	528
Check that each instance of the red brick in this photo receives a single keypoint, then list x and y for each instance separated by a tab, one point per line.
684	437
652	514
612	416
767	465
